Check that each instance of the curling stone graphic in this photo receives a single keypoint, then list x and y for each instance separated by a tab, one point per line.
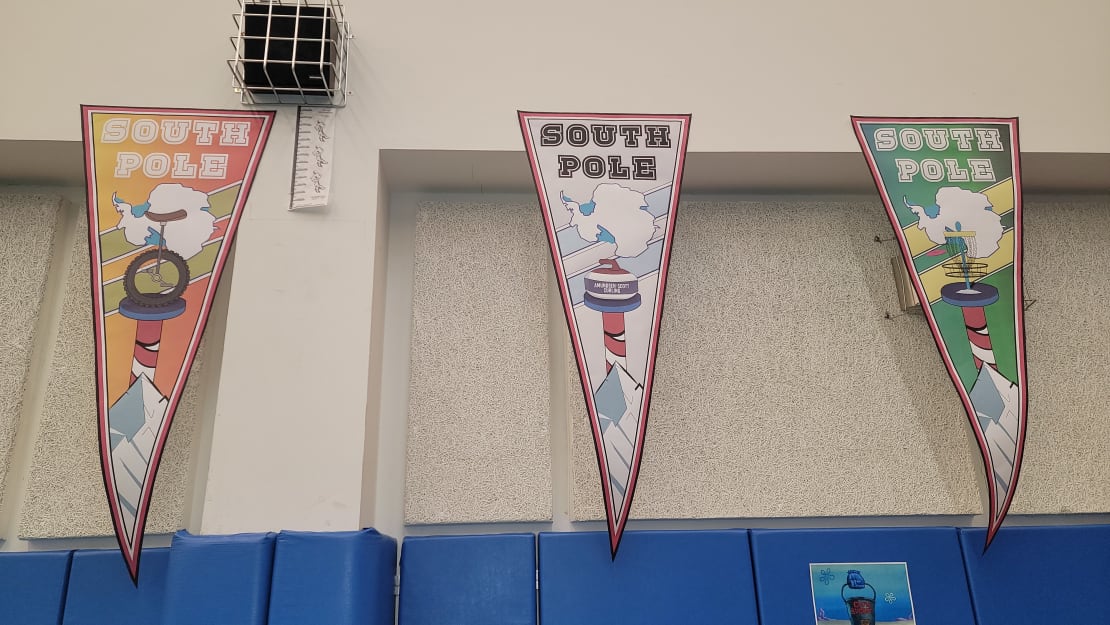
861	608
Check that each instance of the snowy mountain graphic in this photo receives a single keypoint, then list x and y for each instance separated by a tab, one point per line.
134	422
618	402
997	403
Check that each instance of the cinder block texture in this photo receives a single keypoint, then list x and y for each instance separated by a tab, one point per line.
28	224
1067	287
65	491
478	446
781	389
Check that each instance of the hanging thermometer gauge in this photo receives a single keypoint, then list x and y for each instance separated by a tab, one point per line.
312	159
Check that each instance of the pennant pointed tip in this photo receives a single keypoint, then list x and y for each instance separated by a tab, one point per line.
131	559
992	531
616	532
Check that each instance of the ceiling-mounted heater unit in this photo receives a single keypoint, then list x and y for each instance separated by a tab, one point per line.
903	284
291	52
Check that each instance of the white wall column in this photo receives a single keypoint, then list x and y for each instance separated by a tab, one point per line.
288	438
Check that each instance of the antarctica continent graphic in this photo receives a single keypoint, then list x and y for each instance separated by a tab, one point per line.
166	189
952	190
608	187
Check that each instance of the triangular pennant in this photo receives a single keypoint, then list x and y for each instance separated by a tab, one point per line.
608	187
952	190
166	190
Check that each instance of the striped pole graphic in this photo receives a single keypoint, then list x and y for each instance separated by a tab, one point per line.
972	301
148	336
975	318
612	291
615	349
148	333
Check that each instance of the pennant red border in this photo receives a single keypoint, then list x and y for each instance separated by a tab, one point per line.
616	520
994	520
132	553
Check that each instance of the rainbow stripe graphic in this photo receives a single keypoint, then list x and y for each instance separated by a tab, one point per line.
166	191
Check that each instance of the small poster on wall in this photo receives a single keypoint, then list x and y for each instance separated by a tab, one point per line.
166	190
865	593
952	191
608	187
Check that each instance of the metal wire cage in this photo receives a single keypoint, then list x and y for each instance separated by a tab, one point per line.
290	52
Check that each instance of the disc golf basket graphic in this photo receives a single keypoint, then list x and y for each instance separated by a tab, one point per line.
963	263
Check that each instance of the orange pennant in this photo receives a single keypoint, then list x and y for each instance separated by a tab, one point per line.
166	190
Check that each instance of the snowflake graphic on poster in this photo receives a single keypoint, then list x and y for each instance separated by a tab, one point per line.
826	576
889	597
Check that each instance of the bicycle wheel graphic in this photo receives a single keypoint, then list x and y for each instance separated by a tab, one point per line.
149	281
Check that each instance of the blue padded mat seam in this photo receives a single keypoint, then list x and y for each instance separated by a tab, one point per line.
269	587
967	577
539	597
65	588
755	578
536	576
